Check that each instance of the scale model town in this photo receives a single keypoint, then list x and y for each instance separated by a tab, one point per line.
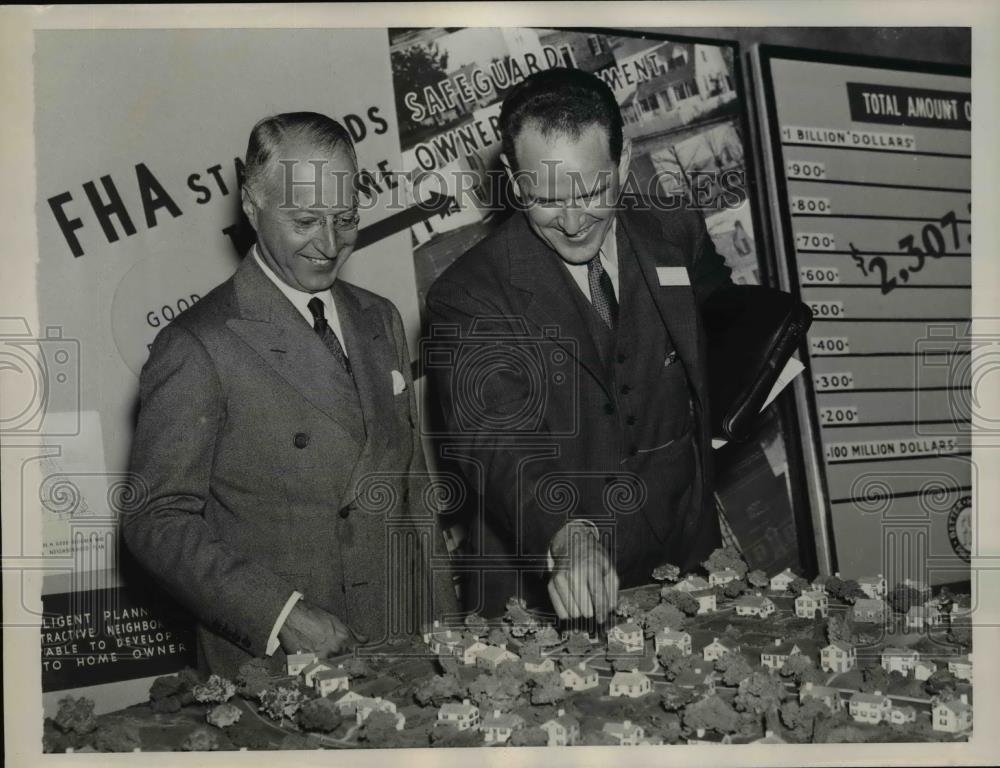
739	657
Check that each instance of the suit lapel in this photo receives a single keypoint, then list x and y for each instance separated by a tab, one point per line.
653	246
372	360
273	328
535	270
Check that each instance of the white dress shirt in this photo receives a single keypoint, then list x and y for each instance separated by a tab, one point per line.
609	260
300	300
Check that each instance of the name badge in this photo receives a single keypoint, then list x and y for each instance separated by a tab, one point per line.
673	276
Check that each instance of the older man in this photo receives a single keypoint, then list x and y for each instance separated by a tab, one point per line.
578	391
276	443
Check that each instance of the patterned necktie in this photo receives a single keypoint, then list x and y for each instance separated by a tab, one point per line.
602	293
326	334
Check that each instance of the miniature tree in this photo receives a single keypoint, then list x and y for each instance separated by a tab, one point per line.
223	715
117	737
813	675
797	586
531	648
476	624
796	666
760	694
902	597
378	728
802	718
837	628
496	636
627	607
663	616
356	668
670	657
547	636
512	670
529	737
201	740
578	644
171	692
675	663
319	715
852	591
834	587
515	602
726	557
681	600
548	688
676	698
666	572
281	703
734	589
252	678
217	690
874	678
711	713
497	691
75	715
734	668
757	578
437	690
941	683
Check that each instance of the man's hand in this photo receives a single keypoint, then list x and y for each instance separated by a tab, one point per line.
311	629
583	583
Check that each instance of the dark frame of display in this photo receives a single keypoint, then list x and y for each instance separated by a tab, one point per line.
815	490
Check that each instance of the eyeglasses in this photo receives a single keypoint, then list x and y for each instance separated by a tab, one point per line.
342	222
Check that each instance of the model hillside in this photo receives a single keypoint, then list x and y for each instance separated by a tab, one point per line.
730	656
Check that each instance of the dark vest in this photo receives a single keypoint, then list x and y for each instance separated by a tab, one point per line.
655	421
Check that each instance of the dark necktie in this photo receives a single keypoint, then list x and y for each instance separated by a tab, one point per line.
602	293
326	334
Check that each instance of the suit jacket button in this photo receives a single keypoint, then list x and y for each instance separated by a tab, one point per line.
301	439
344	512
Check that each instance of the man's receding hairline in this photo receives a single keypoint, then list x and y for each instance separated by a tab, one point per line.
574	133
275	162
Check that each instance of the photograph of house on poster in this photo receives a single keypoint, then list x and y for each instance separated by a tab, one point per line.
679	100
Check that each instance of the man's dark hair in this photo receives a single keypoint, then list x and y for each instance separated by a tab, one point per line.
561	100
265	138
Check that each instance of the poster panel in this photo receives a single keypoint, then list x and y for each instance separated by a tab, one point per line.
871	166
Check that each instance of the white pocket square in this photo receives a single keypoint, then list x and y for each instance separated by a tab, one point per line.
398	383
673	276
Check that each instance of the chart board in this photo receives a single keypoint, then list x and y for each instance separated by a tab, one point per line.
869	171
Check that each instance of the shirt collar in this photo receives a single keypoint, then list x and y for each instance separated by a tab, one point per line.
300	299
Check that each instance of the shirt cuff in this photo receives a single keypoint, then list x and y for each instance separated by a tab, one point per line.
272	641
549	560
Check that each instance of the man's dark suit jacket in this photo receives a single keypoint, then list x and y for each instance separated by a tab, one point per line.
262	476
598	421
